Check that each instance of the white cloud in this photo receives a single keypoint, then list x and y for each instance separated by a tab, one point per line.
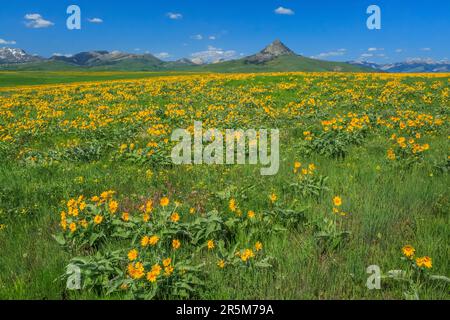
420	60
197	37
427	60
366	55
67	55
375	49
36	21
398	50
7	42
197	60
175	16
426	49
285	11
337	53
213	55
163	55
212	38
95	20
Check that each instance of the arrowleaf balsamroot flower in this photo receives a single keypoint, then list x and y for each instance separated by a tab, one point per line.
273	197
113	205
98	219
408	251
164	202
337	201
153	240
175	217
176	244
424	262
125	216
133	254
221	264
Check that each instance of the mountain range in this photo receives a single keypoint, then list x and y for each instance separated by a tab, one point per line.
410	65
275	57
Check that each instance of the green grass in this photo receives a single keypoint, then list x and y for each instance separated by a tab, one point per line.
388	207
287	63
282	64
387	211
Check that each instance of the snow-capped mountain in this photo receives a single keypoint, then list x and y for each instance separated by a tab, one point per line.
411	65
14	55
368	64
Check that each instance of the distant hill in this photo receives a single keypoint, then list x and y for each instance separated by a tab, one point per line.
41	65
112	60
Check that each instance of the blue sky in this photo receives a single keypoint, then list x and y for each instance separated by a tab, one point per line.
212	29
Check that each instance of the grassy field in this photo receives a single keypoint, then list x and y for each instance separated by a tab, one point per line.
32	78
86	180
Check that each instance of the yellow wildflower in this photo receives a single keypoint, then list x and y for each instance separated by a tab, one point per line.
337	201
408	251
175	217
98	219
176	244
164	202
132	254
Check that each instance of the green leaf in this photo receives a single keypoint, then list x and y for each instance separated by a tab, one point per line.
440	278
60	239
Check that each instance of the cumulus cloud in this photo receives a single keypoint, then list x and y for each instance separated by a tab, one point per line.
337	53
213	55
426	49
7	42
420	60
67	55
163	55
36	21
284	11
375	49
212	38
398	50
174	16
95	20
197	37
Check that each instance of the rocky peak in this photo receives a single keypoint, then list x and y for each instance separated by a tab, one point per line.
277	48
272	51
